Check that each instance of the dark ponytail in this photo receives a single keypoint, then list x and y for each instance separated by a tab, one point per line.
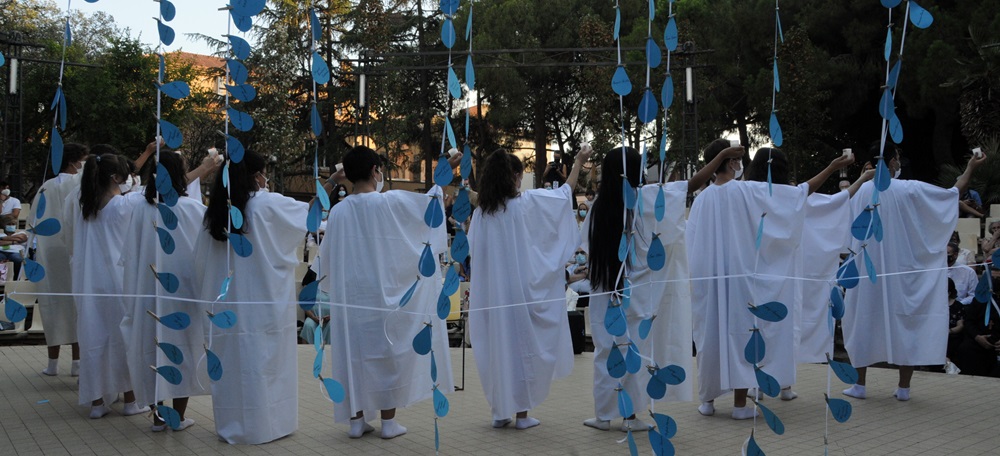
779	166
241	186
103	165
497	185
175	166
606	223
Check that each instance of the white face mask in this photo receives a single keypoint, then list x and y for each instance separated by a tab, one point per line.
126	186
895	175
581	258
9	228
341	193
136	183
5	192
738	173
380	183
583	212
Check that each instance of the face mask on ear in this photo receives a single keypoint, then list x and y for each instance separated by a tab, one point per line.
136	183
380	183
895	175
738	173
583	212
341	193
9	228
581	258
5	192
126	186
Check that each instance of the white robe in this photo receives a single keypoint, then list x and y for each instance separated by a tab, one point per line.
58	312
665	293
371	253
256	400
721	234
903	319
139	330
97	249
825	235
518	257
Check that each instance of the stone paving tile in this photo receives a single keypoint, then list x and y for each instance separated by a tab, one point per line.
947	415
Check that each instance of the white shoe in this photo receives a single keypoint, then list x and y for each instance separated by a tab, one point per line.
599	424
526	422
635	425
504	422
744	413
856	391
53	368
755	394
98	411
158	427
131	408
359	427
902	394
392	429
184	424
707	408
788	394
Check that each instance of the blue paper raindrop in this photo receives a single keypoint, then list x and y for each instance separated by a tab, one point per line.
242	23
241	245
633	362
645	326
242	92
442	173
408	294
240	47
616	363
47	227
837	303
173	354
315	120
470	73
625	407
235	149
40	206
920	17
237	71
614	321
893	75
653	53
451	281
845	372
861	228
760	233
773	311
839	408
659	207
460	246
895	129
656	256
775	131
454	87
618	23
248	7
166	240
984	289
307	296
767	384
34	271
320	70
13	310
434	368
434	214
754	350
886	105
648	109
317	29
890	3
214	365
448	34
314	217
169	416
176	90
887	50
168	281
422	341
665	425
56	148
869	266
334	390
443	306
623	248
462	209
166	33
620	82
882	176
171	374
224	320
240	120
847	275
670	35
171	134
318	363
440	404
661	444
667	99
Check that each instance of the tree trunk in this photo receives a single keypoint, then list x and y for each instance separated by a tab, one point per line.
541	138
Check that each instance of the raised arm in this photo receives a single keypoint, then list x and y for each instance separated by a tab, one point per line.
581	158
963	181
837	164
707	171
208	167
866	176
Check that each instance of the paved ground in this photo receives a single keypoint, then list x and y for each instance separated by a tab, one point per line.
947	415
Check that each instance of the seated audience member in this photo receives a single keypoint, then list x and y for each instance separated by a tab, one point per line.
970	204
977	354
12	244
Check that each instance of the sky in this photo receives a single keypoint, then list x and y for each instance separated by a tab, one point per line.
193	16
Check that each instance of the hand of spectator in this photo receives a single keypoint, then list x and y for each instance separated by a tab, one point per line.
984	342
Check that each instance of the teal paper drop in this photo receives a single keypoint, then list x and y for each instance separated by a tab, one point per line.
755	350
34	271
661	204
422	341
443	306
440	404
408	294
670	35
616	363
620	82
171	374
213	365
334	390
13	310
667	99
625	407
656	256
772	420
427	262
665	425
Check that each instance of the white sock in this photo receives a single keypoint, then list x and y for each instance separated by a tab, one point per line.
391	429
902	394
131	408
526	422
707	408
53	368
98	411
501	423
787	394
856	391
359	427
75	370
744	413
596	423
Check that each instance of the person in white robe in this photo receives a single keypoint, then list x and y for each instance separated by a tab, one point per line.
101	216
58	312
663	295
142	255
256	399
901	318
371	252
728	272
519	244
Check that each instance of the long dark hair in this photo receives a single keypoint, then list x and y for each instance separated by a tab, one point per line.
104	164
241	186
175	168
497	185
606	223
779	166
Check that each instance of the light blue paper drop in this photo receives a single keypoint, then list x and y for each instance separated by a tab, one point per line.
224	288
882	176
633	362
659	207
322	196
623	248
450	132
169	281
773	311
462	209
656	388
171	374
861	228
653	53
408	294
334	390
665	425
895	129
760	233
240	120
869	266
618	23
224	320
235	150
890	3
839	408
241	245
443	306
320	70
163	183
468	24
34	271
648	109
166	240
318	338
240	47
771	419
837	303
422	341
449	7
887	51
656	256
620	82
242	92
920	17
755	350
632	449
460	246
242	23
13	310
213	365
68	34
767	384
645	326
40	206
454	87
56	149
428	265
777	80
625	407
893	78
984	289
442	172
667	99
248	7
886	105
451	281
316	121
847	275
661	445
845	372
616	363
317	29
781	33
448	34
615	322
166	33
176	90
173	354
434	214
877	225
169	416
434	368
171	134
314	217
440	404
318	363
670	35
470	73
47	227
629	194
775	131
237	71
